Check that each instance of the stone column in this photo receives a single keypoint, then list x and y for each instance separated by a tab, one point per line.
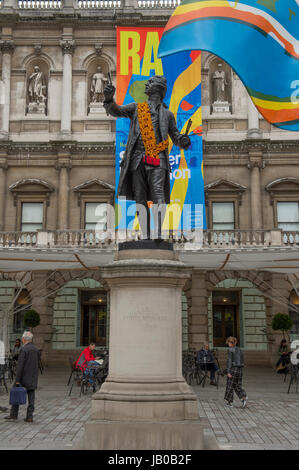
197	296
7	48
39	292
253	131
255	165
3	169
145	403
68	47
280	288
63	166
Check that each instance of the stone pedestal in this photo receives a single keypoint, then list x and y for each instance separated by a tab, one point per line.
220	107
36	108
96	108
145	402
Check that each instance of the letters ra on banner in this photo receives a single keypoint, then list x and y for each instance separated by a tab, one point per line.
137	60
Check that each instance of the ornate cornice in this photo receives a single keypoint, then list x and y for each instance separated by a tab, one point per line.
54	147
249	146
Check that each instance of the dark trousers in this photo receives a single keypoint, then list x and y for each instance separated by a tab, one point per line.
30	408
234	385
149	181
210	367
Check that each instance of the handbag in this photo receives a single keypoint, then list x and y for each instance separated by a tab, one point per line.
17	396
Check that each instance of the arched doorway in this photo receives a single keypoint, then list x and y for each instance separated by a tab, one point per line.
236	307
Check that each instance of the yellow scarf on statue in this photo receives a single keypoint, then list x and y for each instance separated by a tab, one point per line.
152	149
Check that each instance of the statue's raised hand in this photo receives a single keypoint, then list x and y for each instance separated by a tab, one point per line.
185	142
109	91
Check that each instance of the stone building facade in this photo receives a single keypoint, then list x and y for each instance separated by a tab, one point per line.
57	165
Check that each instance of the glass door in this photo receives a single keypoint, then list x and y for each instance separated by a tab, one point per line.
225	316
93	317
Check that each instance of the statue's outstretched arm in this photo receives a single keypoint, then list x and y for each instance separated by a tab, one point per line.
114	109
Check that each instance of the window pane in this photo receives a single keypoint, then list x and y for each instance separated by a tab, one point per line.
32	212
287	212
22	305
223	212
95	213
223	227
98	226
31	227
288	227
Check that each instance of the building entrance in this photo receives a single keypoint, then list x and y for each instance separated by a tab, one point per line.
93	317
225	316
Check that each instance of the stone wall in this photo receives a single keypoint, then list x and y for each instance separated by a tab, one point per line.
66	314
7	293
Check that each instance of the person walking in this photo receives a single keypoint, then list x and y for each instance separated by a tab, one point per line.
235	364
26	376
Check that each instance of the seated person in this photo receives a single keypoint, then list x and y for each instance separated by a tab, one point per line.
16	349
86	361
284	357
206	355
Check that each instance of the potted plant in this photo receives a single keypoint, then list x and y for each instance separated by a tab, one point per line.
282	322
31	319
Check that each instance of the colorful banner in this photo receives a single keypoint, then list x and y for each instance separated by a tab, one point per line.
137	60
258	38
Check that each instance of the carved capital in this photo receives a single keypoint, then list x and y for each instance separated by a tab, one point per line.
3	164
256	160
7	46
256	164
67	46
63	163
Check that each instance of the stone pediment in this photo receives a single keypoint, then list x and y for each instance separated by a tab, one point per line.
280	185
94	186
223	185
32	185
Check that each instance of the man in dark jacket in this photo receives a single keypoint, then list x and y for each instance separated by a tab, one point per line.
145	169
206	361
235	364
26	375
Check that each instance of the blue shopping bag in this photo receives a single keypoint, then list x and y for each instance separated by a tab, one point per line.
17	396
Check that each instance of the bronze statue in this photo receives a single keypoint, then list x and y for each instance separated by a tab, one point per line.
145	167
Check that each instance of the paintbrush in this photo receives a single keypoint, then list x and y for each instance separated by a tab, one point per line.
188	127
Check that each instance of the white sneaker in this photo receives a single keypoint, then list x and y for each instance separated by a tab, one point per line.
244	401
229	403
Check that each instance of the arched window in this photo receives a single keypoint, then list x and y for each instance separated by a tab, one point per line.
22	305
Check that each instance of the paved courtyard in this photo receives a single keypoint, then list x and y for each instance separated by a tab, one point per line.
270	421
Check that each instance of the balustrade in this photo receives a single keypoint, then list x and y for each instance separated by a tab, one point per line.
100	238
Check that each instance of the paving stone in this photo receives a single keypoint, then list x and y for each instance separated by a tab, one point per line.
270	420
